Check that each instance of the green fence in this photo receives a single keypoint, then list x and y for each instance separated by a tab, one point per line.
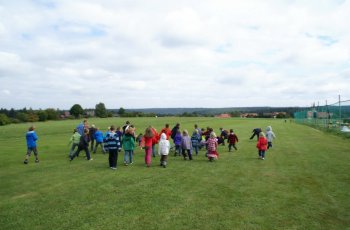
336	115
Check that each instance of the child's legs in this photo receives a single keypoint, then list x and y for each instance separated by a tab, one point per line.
148	153
154	150
196	149
131	156
126	156
234	146
113	154
262	153
189	152
184	153
92	143
72	149
269	145
163	159
87	152
177	149
230	147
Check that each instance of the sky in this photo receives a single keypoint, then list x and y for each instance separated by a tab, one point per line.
183	53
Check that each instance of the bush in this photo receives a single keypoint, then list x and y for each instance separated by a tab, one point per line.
4	120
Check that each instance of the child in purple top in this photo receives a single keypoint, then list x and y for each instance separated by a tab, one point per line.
186	145
177	142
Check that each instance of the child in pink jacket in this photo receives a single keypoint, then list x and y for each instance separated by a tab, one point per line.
262	145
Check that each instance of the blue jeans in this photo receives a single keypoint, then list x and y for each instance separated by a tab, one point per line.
195	148
128	156
269	145
262	153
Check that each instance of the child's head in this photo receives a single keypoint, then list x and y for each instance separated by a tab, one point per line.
185	132
261	134
148	132
212	135
112	128
75	130
231	130
195	132
31	128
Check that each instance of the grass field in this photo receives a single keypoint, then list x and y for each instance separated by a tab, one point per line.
304	182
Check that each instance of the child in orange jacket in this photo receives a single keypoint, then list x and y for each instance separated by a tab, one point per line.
262	145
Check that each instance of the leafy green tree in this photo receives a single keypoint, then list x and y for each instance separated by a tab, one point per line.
4	120
42	114
76	110
121	111
100	110
52	114
32	117
23	117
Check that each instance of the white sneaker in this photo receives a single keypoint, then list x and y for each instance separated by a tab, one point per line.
90	159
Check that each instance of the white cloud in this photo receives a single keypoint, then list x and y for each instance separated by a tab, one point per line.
249	53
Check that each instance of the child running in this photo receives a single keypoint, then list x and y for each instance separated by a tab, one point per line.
147	144
212	144
186	145
231	140
270	135
74	140
83	145
262	145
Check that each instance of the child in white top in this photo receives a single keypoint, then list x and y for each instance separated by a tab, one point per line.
163	150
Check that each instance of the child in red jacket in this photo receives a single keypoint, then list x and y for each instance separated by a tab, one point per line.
231	140
262	145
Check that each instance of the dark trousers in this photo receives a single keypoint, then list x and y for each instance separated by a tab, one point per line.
262	153
269	145
257	135
85	148
113	157
188	152
230	147
163	160
92	143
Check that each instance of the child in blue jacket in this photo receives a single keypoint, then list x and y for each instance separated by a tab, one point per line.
98	135
31	138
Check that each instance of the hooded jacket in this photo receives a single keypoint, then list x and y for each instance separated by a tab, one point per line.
270	135
31	138
164	145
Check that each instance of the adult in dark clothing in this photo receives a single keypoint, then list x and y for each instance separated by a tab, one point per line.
92	131
174	130
83	145
256	133
126	126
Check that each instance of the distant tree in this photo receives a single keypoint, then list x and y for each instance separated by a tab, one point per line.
52	114
235	114
12	113
42	114
100	110
32	117
121	111
76	110
4	120
21	116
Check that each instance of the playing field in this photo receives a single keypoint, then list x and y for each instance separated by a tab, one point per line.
303	183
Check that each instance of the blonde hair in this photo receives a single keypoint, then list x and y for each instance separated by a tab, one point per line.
261	134
212	135
185	132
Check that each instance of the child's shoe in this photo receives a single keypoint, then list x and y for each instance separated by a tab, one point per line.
37	161
25	161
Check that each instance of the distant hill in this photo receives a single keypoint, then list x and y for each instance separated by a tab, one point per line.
212	111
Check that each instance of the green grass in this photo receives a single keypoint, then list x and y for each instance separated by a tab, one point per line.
304	182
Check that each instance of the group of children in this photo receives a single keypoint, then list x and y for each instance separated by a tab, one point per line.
116	139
